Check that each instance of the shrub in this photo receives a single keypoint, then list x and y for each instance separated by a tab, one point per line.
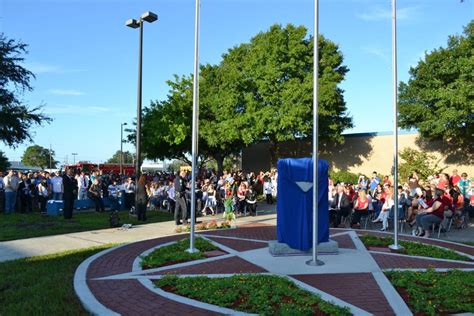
343	176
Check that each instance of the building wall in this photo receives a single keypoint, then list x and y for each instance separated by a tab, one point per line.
360	153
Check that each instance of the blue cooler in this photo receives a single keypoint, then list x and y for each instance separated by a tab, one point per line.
53	207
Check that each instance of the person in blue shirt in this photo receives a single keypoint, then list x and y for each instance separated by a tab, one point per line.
374	181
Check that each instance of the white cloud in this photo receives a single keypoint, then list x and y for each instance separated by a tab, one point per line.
43	68
68	92
376	52
378	14
76	109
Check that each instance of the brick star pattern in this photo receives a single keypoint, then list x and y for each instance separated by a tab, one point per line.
112	282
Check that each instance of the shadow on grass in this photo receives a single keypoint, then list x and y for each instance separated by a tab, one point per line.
20	226
42	285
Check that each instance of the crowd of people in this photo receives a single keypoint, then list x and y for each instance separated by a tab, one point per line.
233	191
438	200
421	203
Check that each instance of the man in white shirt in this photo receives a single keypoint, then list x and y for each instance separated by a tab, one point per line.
82	186
57	184
11	183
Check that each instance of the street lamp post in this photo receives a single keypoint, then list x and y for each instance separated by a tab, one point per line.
74	157
149	17
121	147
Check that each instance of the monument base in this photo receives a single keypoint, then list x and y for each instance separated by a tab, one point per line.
278	249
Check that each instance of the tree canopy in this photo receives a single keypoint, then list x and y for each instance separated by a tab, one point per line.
16	118
4	164
127	157
260	91
438	99
37	156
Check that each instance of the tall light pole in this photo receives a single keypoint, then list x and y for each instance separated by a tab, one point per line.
195	127
395	245
74	159
121	147
314	260
149	17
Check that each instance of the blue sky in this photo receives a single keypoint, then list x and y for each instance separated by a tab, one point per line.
85	59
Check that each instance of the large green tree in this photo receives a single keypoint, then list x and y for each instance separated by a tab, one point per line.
167	124
127	157
261	90
37	156
16	118
438	99
275	80
4	164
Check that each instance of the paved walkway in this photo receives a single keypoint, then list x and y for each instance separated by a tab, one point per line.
112	282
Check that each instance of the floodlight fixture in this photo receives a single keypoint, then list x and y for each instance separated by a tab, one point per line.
132	23
150	17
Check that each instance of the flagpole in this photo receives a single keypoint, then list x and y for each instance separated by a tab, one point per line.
195	126
395	246
314	261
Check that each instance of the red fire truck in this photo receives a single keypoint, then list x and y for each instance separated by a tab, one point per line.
128	169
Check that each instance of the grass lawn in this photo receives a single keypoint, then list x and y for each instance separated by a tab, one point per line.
436	293
42	285
19	226
176	253
259	294
414	248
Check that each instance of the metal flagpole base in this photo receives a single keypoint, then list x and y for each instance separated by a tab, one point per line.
396	247
192	250
315	263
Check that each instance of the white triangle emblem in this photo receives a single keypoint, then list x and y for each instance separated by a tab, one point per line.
304	186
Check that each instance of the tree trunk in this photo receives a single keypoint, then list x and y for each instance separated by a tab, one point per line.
220	164
273	149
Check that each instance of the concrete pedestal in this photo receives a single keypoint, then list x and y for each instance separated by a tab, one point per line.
281	250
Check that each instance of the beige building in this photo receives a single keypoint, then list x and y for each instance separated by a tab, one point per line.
362	153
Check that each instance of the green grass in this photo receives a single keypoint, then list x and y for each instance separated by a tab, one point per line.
259	294
436	293
414	248
42	285
176	253
19	226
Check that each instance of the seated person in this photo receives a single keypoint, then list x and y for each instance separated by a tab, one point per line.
341	206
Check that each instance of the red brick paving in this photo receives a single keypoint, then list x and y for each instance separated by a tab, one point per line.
129	297
239	245
223	266
358	289
121	260
254	231
404	262
344	241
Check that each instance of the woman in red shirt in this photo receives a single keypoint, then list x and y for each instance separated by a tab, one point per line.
361	208
432	215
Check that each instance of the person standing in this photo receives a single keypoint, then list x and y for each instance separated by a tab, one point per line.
70	191
24	190
142	198
57	186
11	183
2	193
95	194
180	197
82	186
114	193
43	194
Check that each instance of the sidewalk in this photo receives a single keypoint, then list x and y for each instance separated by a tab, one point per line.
23	248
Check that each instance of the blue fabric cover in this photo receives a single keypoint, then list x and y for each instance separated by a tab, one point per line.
295	207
